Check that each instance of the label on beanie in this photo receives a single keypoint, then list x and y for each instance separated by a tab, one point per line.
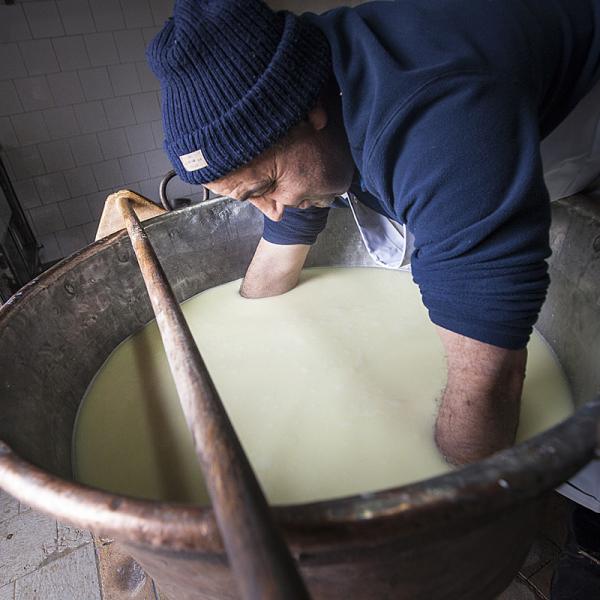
193	161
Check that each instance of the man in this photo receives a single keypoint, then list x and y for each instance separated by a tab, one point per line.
436	110
431	114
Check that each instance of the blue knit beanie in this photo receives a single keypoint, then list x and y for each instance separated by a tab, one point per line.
235	77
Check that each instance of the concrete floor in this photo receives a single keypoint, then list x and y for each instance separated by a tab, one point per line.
41	559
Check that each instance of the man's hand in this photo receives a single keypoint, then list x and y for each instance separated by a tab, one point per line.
274	269
479	411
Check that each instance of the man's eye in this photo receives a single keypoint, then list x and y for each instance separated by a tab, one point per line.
270	187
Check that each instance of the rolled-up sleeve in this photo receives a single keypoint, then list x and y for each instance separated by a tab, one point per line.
461	166
298	226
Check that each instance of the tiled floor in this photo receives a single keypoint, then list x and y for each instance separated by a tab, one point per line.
41	559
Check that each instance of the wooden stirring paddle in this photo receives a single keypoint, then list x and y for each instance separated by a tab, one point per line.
261	561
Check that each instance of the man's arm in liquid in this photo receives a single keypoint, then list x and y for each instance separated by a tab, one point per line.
479	410
274	269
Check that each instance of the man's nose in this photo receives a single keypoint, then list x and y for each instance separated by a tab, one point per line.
272	209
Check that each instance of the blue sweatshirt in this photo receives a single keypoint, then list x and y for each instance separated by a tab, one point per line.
445	103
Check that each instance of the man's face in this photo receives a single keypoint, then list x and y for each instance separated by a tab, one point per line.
310	167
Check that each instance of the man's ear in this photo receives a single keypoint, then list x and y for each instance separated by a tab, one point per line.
317	117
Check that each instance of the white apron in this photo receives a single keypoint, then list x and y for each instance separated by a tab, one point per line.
571	160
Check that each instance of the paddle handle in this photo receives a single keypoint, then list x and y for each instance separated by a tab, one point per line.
261	561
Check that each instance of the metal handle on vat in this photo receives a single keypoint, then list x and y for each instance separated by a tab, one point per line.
261	561
162	191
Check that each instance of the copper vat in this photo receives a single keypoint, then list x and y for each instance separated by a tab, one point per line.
458	536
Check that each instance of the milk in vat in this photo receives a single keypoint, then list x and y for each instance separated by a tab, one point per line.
332	389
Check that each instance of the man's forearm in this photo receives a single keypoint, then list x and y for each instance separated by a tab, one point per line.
479	411
274	269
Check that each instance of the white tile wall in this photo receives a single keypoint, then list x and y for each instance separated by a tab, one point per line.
76	16
47	219
44	20
8	137
86	149
149	188
27	193
107	14
95	203
89	231
157	162
51	188
160	11
146	107
81	181
11	61
119	112
71	53
113	143
147	79
57	156
39	57
79	109
95	83
108	175
14	26
66	88
130	45
91	117
25	161
101	49
124	79
30	128
137	13
34	93
9	99
61	122
157	131
134	168
140	138
75	211
148	33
